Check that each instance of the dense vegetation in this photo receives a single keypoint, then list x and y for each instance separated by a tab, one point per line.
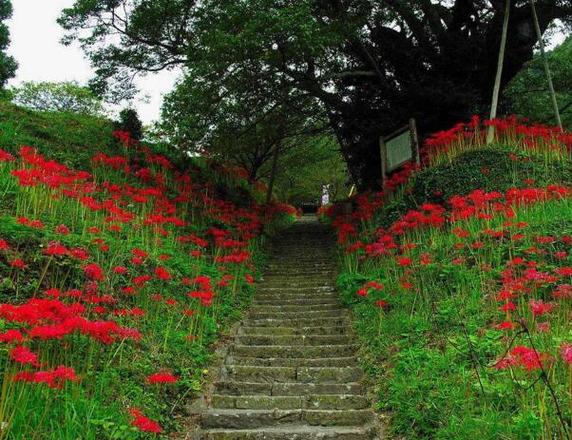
358	68
118	272
460	286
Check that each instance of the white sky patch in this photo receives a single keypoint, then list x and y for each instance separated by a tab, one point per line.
35	44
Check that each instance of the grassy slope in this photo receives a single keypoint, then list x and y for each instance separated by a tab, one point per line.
433	348
112	377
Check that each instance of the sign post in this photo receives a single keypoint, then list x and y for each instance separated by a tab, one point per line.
398	148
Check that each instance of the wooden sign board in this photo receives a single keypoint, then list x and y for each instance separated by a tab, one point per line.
398	148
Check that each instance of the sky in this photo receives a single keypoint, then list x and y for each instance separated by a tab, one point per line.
35	44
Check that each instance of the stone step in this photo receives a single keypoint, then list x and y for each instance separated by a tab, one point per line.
286	296
268	331
303	300
348	361
234	388
298	322
249	419
309	314
261	288
324	401
310	340
294	308
244	373
292	432
301	351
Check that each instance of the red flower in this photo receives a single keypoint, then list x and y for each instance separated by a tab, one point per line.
93	271
11	336
55	248
539	308
23	355
162	378
566	353
162	274
143	423
18	263
4	246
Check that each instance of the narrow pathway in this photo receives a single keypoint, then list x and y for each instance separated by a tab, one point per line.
291	372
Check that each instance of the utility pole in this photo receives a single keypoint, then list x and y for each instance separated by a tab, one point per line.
546	66
496	89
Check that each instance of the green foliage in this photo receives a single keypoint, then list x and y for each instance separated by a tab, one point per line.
129	121
69	138
492	169
8	65
363	67
304	170
527	94
57	97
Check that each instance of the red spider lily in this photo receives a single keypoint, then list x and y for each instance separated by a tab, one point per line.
566	353
506	325
521	356
6	157
539	308
162	274
11	337
94	272
4	246
162	378
55	248
143	423
120	270
62	229
24	356
54	378
18	263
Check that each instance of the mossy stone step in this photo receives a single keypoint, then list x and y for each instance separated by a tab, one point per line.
302	301
295	308
315	331
273	351
236	388
248	419
316	375
297	322
348	361
292	432
309	314
310	340
324	401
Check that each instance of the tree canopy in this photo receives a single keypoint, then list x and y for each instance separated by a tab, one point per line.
527	94
363	66
57	96
8	65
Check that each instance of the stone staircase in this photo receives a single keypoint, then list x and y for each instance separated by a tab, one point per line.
291	372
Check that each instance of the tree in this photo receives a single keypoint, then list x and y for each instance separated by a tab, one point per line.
527	94
129	121
369	65
314	163
58	97
8	65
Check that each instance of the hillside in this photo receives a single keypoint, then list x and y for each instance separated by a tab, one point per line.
460	284
119	269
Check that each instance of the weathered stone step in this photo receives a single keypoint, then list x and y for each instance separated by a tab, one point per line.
273	351
309	314
324	401
268	331
303	300
298	322
292	432
348	361
296	290
287	296
295	308
248	419
310	340
235	388
243	373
